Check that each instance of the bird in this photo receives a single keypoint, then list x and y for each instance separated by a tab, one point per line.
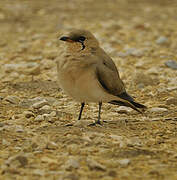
88	74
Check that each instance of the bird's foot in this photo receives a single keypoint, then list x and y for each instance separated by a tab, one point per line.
96	123
105	121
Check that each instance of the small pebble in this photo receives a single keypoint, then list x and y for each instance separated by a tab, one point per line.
162	40
17	161
134	141
53	114
38	172
5	142
140	64
140	86
93	165
49	160
73	149
123	110
14	75
158	110
72	163
40	104
171	64
51	145
122	54
35	58
171	100
29	102
153	71
23	160
46	117
45	107
134	52
19	129
124	162
137	53
39	118
172	88
28	114
12	99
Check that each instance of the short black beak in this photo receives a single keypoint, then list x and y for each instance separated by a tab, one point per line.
64	38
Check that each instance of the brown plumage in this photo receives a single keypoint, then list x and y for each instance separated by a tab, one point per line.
88	74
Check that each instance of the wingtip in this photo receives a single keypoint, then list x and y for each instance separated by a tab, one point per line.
130	104
138	105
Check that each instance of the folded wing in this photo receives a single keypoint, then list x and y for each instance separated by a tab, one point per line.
108	77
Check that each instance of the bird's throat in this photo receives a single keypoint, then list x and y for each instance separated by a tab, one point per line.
76	47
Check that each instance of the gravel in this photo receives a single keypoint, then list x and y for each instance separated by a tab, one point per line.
35	141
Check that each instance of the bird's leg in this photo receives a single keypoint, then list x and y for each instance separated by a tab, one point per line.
80	114
82	107
99	117
99	112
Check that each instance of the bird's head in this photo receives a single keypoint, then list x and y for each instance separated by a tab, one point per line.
81	39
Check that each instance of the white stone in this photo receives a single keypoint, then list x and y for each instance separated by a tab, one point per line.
51	145
5	142
123	109
45	107
172	88
39	118
162	40
40	104
53	114
158	110
124	162
153	70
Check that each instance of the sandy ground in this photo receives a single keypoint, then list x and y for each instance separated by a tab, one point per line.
35	142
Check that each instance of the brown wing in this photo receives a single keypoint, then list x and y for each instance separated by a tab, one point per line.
109	78
108	75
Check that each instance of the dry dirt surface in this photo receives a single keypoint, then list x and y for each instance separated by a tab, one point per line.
35	143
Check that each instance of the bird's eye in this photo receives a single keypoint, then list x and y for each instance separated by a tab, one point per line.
82	38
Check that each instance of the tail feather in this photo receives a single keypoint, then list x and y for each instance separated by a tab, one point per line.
128	104
128	101
138	105
132	104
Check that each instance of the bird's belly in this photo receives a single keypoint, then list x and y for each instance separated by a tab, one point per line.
83	88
